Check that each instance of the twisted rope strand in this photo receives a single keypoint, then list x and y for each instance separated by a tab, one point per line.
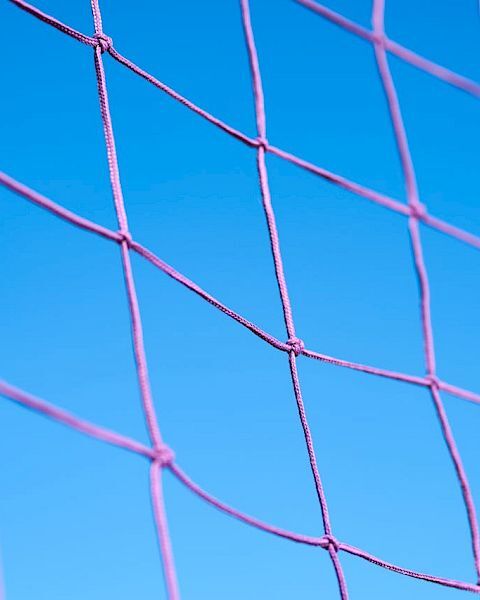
296	344
148	255
103	44
416	60
351	186
113	438
160	455
452	583
66	418
49	20
421	271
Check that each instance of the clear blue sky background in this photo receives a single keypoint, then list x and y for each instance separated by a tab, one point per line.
75	519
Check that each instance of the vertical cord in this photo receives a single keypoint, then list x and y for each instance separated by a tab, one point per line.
137	331
420	269
296	345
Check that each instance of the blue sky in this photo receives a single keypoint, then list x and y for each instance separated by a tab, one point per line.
75	519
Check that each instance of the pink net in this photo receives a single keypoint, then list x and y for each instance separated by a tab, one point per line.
158	453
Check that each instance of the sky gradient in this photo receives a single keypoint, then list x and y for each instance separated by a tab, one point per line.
75	517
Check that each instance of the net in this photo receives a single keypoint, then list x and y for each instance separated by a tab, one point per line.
159	455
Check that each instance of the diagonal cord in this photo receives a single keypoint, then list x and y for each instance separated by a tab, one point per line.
113	438
295	346
405	54
352	186
87	225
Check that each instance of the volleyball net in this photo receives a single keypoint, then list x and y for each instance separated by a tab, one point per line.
159	455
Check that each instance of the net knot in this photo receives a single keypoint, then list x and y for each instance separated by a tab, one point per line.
331	542
163	455
295	345
104	42
433	382
262	143
379	38
125	236
418	210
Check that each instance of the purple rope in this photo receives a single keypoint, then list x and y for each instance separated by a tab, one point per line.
463	83
104	43
421	271
296	344
156	494
66	418
351	186
160	455
56	209
452	583
110	437
87	225
252	521
179	98
137	334
49	20
450	230
459	392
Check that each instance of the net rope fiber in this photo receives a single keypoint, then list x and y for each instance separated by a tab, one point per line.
159	455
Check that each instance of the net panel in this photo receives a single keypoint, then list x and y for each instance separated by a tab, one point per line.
159	455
